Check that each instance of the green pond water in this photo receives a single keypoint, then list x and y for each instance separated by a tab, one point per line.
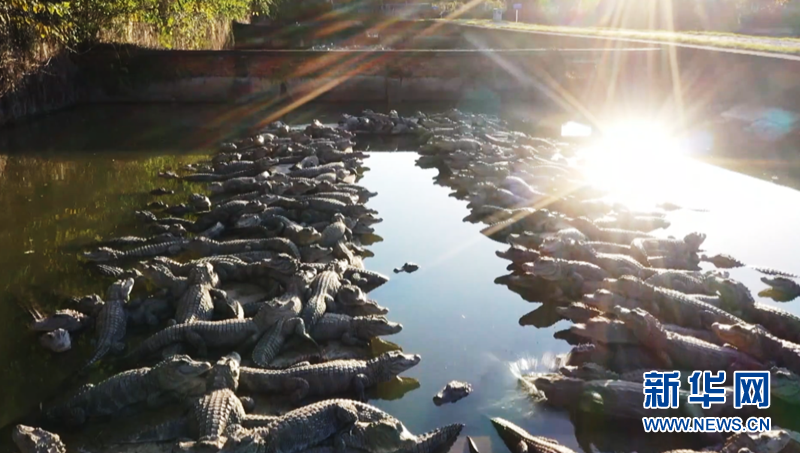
75	177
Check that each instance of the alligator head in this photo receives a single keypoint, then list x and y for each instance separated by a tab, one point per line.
181	374
390	364
785	385
199	202
782	288
375	326
248	221
578	312
644	325
306	236
162	277
734	294
745	337
630	286
120	290
225	373
588	372
102	254
57	341
369	219
547	268
36	440
282	264
203	274
694	240
315	253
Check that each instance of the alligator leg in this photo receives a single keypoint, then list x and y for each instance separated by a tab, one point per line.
299	388
197	342
360	384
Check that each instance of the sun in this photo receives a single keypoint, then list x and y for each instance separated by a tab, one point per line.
636	161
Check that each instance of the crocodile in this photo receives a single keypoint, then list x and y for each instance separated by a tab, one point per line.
69	320
759	343
616	265
329	378
105	254
111	321
644	248
36	440
209	415
574	277
613	235
196	303
517	440
169	380
781	289
364	279
722	261
300	429
673	307
352	330
273	340
684	352
204	247
202	334
298	234
57	340
336	231
452	392
685	282
323	293
619	358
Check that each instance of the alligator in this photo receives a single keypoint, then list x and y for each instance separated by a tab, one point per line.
295	354
104	254
36	440
519	254
644	249
111	321
782	289
452	392
578	312
673	307
205	247
391	436
328	378
149	312
168	381
722	261
196	302
573	277
273	340
352	301
324	288
616	265
604	330
69	320
681	351
619	358
209	415
56	340
352	330
299	429
202	334
613	235
408	268
589	372
336	231
517	440
759	343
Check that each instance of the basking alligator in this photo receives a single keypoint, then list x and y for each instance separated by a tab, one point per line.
782	289
323	293
205	247
69	320
759	343
329	378
210	415
36	440
170	380
352	330
104	254
519	441
681	351
672	306
364	279
112	320
643	248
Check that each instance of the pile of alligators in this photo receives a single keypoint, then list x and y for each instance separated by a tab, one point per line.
254	291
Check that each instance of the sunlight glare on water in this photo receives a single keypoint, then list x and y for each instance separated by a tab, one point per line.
640	163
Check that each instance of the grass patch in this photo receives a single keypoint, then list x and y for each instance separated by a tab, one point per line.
704	38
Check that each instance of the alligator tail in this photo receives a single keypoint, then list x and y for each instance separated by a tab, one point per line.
438	440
